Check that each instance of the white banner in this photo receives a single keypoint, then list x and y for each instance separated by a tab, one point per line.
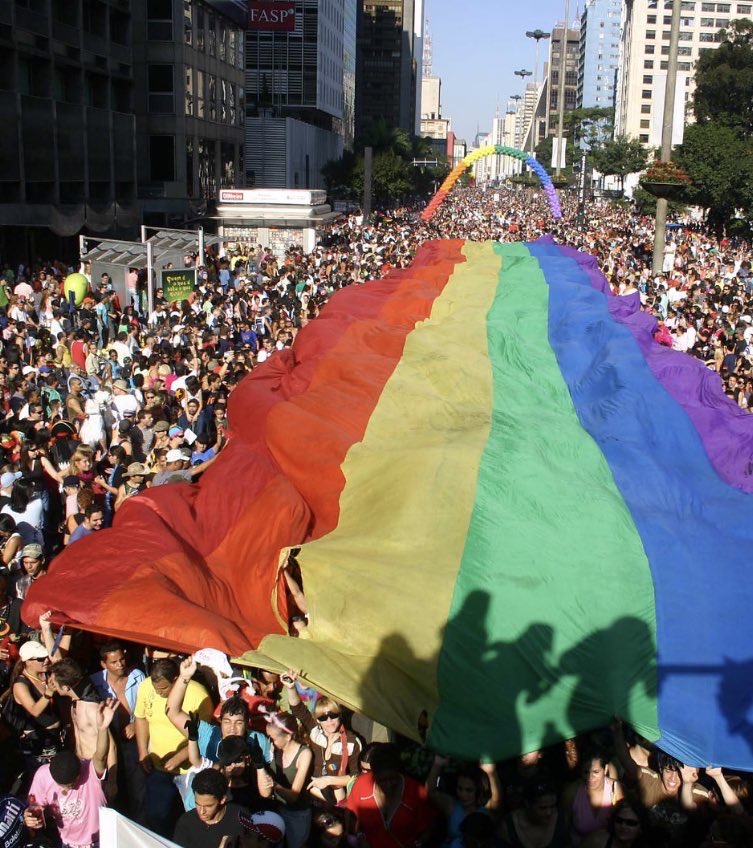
116	831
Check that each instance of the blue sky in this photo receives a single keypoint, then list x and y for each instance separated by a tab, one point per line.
477	45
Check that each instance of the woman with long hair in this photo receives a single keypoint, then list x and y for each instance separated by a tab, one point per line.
29	708
27	510
590	802
287	777
10	539
477	789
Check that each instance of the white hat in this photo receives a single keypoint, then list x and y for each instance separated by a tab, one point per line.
175	455
27	369
8	479
33	650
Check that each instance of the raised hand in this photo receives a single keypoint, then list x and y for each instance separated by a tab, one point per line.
105	712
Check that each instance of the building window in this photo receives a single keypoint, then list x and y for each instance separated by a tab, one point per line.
200	28
162	158
200	94
211	36
647	79
648	64
744	10
646	94
223	42
212	97
161	88
188	21
159	20
207	169
643	138
189	91
645	108
650	34
645	124
189	167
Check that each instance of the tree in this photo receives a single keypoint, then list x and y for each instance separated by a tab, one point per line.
719	161
619	157
380	135
724	79
592	126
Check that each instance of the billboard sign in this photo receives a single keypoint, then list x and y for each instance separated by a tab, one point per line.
271	16
179	284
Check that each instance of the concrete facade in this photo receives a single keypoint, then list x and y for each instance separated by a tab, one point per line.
644	50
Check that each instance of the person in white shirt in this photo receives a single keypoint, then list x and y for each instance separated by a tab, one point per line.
124	404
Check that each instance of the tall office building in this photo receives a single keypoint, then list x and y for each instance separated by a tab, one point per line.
389	63
111	110
599	53
644	52
67	158
300	94
188	73
570	38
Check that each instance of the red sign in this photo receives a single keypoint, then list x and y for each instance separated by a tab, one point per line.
271	17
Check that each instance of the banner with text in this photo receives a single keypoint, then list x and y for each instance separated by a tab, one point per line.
271	16
178	284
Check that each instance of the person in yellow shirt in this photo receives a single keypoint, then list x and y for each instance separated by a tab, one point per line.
162	748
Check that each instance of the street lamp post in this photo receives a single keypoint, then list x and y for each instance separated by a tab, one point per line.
523	73
536	34
660	227
516	131
561	91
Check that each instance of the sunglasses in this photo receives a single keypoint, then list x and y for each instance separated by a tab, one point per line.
327	716
626	822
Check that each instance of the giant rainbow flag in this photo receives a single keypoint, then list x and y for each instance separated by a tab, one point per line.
519	516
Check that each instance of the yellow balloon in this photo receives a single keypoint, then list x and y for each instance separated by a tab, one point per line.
78	284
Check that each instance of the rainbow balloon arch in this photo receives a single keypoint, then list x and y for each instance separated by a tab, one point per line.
494	150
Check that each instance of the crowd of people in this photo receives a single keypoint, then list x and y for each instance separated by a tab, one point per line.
102	401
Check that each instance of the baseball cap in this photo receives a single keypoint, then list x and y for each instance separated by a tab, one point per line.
174	432
268	825
33	650
9	478
174	455
33	551
232	749
27	369
69	481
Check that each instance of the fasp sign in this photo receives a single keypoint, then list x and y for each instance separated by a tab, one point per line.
271	17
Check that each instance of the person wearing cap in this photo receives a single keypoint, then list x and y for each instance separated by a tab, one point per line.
72	788
177	470
214	816
124	404
94	519
264	829
7	479
34	714
33	568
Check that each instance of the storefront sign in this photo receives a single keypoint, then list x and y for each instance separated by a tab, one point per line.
271	16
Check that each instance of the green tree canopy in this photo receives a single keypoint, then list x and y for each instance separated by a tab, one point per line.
719	161
619	157
724	79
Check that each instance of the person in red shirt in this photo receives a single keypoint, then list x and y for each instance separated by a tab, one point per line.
393	811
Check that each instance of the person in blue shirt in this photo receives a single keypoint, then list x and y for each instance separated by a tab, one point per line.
233	719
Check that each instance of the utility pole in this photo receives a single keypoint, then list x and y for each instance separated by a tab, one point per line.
561	91
537	34
660	227
523	73
367	171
